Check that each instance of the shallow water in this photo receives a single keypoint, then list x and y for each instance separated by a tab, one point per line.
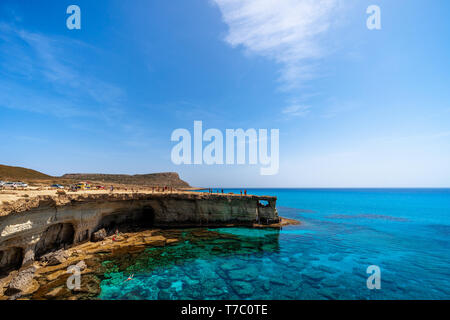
404	232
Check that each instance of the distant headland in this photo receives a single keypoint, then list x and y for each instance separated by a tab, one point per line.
168	179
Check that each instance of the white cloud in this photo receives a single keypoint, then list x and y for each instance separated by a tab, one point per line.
296	110
286	31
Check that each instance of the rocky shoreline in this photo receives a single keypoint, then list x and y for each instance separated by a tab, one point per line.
43	232
47	278
33	224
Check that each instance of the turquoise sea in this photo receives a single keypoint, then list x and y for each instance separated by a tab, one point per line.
406	232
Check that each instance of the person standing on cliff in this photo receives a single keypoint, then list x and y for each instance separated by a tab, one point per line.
116	235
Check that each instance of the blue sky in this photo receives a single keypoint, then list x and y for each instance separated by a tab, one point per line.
355	107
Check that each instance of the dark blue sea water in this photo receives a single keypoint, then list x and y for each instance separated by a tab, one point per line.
406	232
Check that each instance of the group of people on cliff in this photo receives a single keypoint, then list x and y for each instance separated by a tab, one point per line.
210	190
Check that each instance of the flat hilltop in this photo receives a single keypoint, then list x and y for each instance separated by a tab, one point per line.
170	179
33	177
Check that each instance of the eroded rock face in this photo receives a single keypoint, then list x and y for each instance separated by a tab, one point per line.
28	257
10	258
55	237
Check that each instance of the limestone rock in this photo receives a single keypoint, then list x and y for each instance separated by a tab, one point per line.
99	235
55	258
54	293
28	257
242	288
21	282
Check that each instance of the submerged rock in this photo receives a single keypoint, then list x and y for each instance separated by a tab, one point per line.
164	295
242	288
314	276
164	284
337	257
277	281
326	269
229	265
246	274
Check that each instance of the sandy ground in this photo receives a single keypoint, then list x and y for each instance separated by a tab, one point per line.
13	195
8	196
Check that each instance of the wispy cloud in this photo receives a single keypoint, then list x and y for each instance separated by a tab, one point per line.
43	74
54	76
19	97
296	110
286	31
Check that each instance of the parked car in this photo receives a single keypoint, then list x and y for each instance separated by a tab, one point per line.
9	185
100	187
2	183
57	186
20	185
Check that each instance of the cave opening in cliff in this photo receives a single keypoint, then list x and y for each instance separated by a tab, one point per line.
56	237
123	221
263	203
10	259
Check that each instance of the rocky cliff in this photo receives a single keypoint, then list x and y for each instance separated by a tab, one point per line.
34	226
